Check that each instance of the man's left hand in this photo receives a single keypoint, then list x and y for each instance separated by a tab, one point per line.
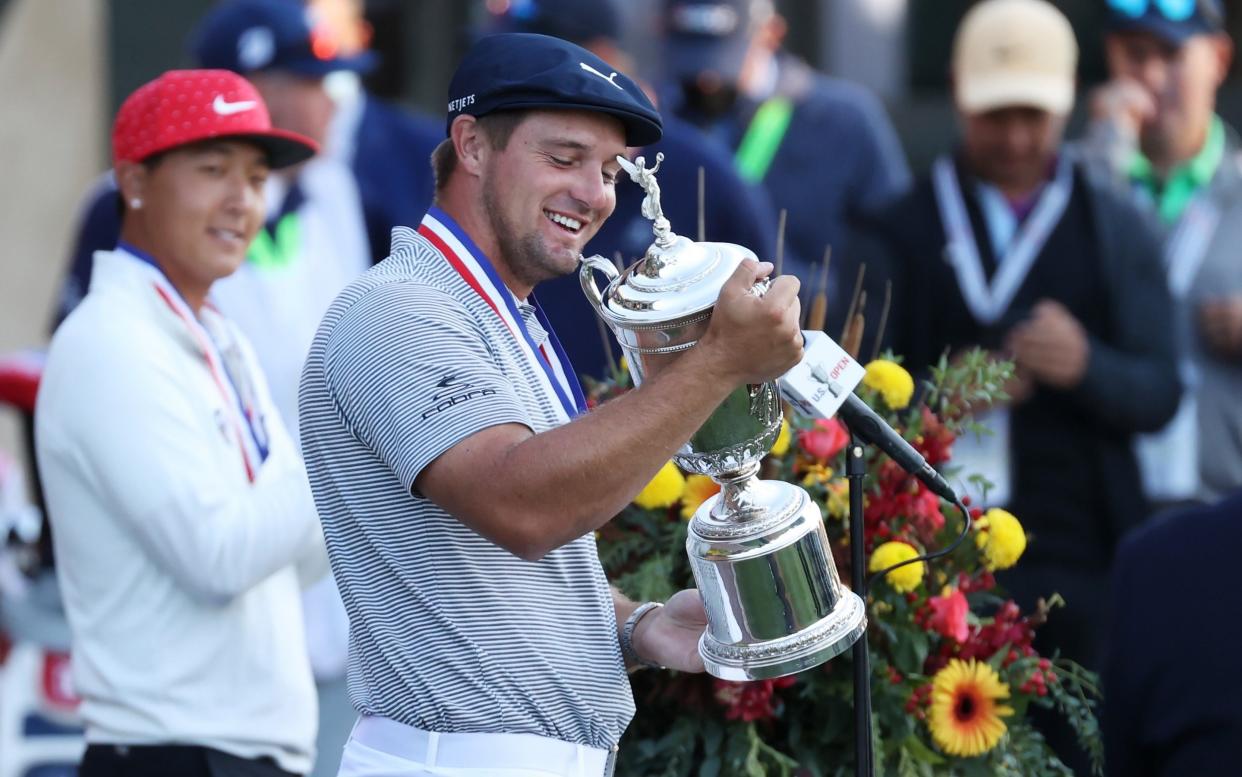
670	635
1051	346
1220	321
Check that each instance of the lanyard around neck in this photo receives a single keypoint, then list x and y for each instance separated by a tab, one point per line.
988	301
241	406
763	138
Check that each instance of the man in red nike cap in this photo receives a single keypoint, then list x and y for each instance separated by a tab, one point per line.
184	525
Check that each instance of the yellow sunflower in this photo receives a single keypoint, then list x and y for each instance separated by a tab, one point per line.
965	719
663	490
905	578
1001	538
892	380
698	488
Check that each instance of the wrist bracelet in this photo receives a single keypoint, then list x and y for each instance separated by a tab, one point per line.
627	636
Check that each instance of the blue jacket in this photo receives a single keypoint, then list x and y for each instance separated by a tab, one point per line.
839	158
1172	690
392	164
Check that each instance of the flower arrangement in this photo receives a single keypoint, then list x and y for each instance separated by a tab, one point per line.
953	668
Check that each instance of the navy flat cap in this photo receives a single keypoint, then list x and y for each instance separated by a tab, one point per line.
516	71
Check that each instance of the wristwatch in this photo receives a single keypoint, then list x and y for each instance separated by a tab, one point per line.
627	636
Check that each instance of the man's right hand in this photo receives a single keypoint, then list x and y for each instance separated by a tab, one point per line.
1126	104
753	339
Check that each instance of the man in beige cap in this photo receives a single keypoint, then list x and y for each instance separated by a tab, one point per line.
1008	245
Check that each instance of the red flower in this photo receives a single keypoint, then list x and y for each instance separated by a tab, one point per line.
935	442
825	440
903	501
948	615
751	701
985	581
926	510
1009	631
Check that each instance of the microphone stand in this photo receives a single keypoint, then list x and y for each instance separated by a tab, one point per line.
855	471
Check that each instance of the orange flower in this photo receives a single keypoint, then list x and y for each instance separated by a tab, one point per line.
698	489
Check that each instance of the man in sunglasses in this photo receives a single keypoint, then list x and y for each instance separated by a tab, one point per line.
1155	130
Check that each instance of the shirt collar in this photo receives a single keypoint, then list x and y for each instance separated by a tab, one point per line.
1184	181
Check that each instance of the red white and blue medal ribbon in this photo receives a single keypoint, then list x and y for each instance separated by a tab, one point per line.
241	406
555	373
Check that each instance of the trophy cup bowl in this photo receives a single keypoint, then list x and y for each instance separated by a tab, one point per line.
760	555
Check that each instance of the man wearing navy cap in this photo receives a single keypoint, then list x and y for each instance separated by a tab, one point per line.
823	148
1156	132
734	211
458	475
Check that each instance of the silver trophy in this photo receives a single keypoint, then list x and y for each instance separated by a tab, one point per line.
760	555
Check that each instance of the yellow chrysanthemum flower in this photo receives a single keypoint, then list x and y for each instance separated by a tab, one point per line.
906	578
1001	538
781	446
892	381
698	488
837	499
663	490
816	475
965	719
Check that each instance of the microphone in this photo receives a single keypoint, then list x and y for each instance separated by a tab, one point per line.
821	386
864	422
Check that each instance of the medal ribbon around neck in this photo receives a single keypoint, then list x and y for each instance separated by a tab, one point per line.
1188	244
988	302
557	376
241	411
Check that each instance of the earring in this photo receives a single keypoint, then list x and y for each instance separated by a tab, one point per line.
135	203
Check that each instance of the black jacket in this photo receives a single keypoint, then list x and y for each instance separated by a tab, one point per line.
1075	482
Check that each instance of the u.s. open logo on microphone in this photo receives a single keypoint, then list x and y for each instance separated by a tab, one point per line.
822	381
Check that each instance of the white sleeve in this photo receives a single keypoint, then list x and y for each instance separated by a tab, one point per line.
146	446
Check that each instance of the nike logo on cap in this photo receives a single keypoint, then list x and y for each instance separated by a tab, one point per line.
225	108
607	78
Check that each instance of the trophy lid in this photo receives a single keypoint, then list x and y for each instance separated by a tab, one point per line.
677	277
668	284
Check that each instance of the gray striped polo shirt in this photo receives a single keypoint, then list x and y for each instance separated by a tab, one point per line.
448	631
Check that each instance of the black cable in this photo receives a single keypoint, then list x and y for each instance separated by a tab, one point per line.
952	546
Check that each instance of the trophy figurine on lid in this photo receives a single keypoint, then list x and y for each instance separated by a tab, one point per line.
760	555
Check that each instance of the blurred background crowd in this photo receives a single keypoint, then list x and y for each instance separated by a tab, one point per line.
927	156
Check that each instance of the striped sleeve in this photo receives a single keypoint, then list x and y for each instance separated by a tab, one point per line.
412	376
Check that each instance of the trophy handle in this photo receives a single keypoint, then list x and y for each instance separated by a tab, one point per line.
587	278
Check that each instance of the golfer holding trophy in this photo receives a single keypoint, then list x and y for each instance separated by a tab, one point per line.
460	479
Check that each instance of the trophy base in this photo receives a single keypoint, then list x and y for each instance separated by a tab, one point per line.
763	565
798	652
